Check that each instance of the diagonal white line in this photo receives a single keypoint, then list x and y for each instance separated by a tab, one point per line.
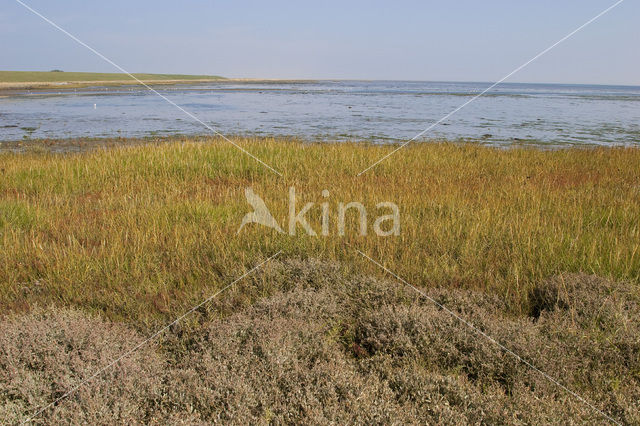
494	341
492	86
150	338
147	86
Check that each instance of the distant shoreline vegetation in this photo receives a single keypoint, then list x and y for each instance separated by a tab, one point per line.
59	78
57	75
20	81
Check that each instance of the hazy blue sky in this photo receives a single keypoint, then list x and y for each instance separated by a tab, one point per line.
466	40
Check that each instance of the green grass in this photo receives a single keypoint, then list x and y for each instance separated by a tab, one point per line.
142	233
59	77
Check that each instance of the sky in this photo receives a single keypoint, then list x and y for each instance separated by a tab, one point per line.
459	40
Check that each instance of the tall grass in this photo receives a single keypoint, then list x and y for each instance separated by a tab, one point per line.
142	233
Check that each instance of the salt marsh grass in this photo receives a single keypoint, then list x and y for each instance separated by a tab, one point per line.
141	233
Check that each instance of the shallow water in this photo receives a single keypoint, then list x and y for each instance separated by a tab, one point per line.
550	115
